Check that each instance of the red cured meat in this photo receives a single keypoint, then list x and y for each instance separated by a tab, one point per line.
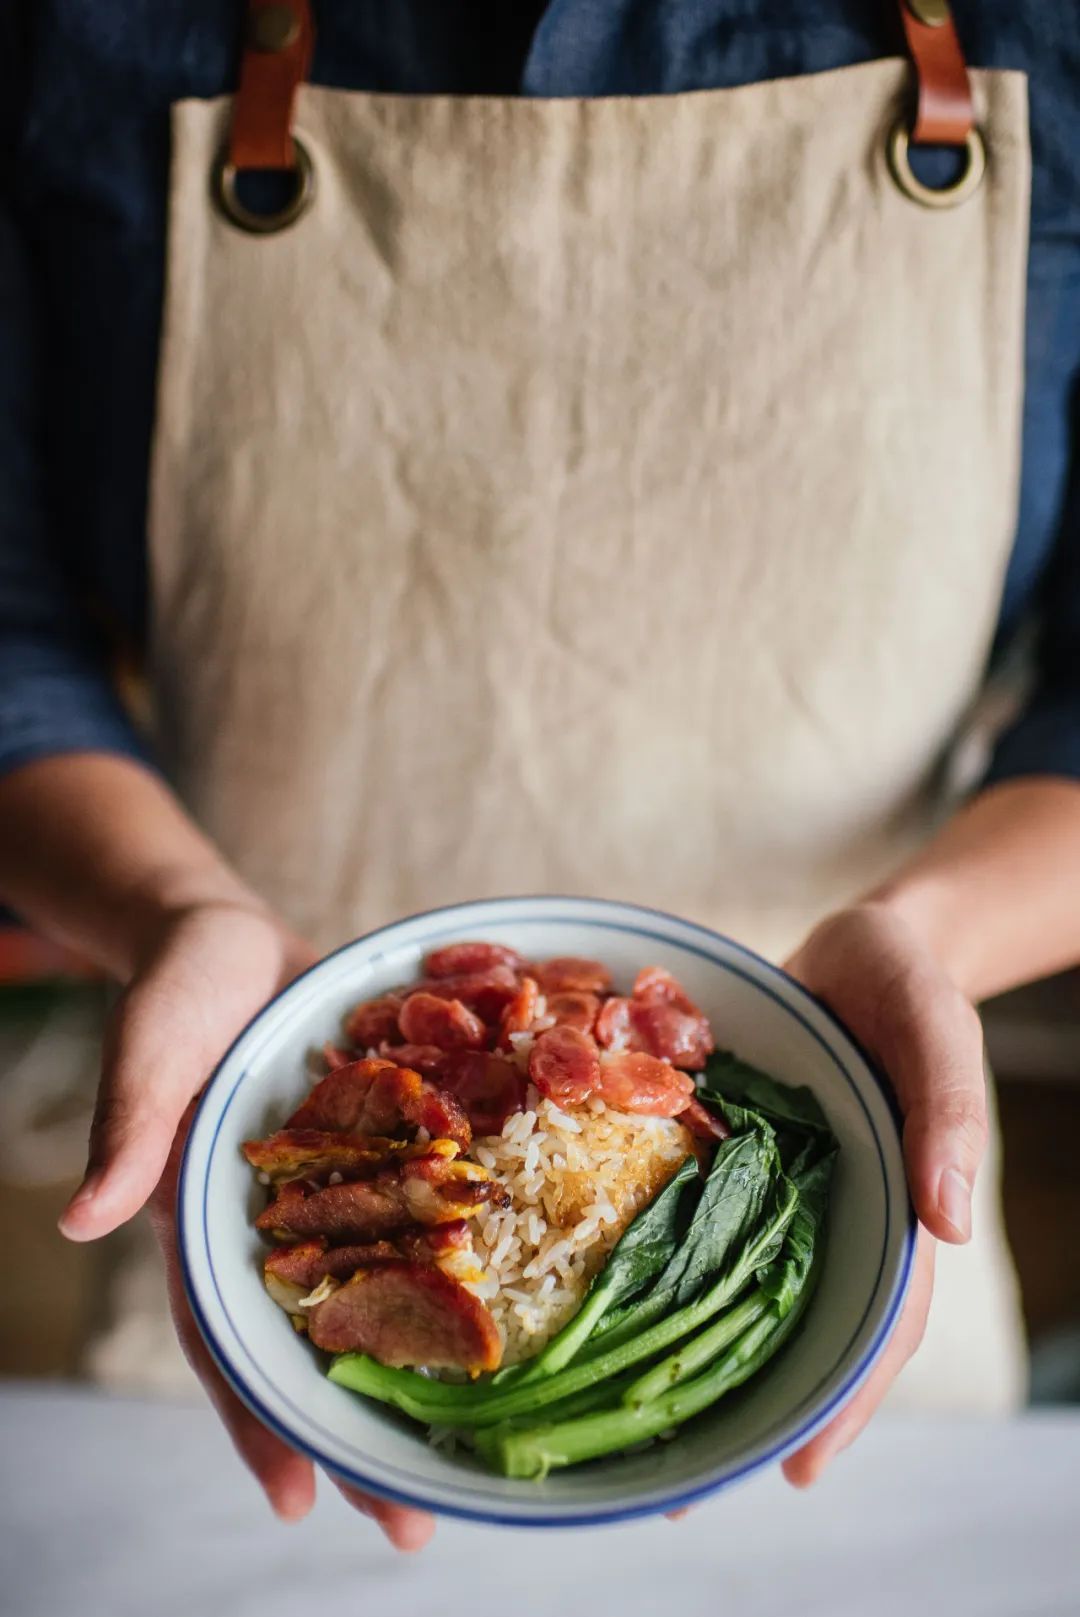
702	1123
565	1066
461	958
442	1114
447	1023
568	973
408	1314
379	1097
488	993
632	1081
425	1058
613	1025
373	1020
314	1154
423	1190
574	1008
336	1104
517	1016
656	1028
682	1037
311	1261
489	1088
335	1056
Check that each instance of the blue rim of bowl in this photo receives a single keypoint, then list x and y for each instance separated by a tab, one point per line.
617	1513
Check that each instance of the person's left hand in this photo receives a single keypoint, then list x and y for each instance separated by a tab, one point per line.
883	981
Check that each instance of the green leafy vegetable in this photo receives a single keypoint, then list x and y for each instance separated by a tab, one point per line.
742	1183
793	1111
533	1453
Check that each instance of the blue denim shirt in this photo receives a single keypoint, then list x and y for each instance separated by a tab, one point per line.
85	90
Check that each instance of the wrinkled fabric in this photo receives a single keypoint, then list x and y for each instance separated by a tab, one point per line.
574	537
84	154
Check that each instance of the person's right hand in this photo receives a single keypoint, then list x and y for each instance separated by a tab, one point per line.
212	967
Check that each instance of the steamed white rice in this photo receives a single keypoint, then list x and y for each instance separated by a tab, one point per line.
576	1180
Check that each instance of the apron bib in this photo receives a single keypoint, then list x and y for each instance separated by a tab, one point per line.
601	497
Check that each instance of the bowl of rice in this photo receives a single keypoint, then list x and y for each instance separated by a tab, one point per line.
556	1186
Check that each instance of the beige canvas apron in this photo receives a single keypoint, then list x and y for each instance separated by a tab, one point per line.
599	496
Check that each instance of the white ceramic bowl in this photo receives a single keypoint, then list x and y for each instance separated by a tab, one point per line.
755	1010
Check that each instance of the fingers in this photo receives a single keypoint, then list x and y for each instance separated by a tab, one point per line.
408	1530
880	979
931	1044
216	966
804	1467
286	1478
150	1071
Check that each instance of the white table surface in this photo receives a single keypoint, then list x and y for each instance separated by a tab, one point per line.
119	1508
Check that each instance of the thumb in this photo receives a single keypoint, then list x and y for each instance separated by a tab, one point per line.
933	1051
150	1070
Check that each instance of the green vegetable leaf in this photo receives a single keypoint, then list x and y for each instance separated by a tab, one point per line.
663	1398
784	1105
785	1279
741	1215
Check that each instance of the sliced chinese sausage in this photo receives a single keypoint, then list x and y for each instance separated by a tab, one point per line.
291	1273
632	1081
437	1242
425	1058
379	1097
682	1037
438	1191
573	1007
565	1066
655	986
447	1023
490	1088
315	1154
702	1123
358	1210
486	992
656	1028
374	1020
568	973
390	1099
517	1016
408	1314
466	958
613	1025
442	1115
432	1189
337	1102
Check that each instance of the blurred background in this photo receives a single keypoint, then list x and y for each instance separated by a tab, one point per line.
96	1314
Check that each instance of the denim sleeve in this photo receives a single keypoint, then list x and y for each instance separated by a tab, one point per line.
55	691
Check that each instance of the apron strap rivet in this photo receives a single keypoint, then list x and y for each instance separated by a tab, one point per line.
273	28
934	13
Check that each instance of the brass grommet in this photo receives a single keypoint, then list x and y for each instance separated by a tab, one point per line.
947	196
265	224
273	28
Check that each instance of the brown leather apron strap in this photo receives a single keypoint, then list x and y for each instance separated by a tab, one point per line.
278	44
944	113
280	35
